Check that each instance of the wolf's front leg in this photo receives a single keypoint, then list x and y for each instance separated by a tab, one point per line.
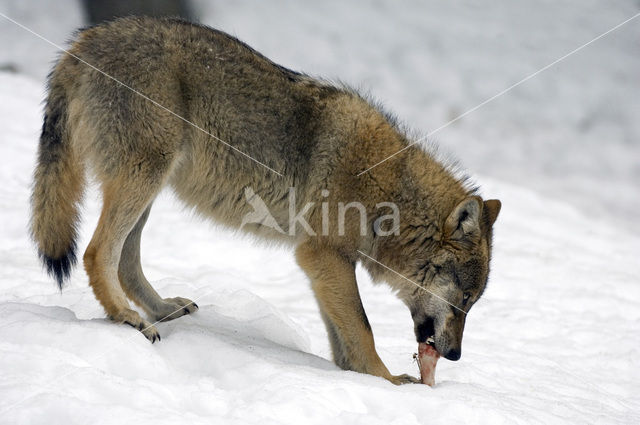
333	281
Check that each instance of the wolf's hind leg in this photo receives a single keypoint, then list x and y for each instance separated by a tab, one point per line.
125	198
138	288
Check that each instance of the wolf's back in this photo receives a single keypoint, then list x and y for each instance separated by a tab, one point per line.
57	188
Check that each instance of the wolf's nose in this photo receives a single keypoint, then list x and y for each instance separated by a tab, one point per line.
453	354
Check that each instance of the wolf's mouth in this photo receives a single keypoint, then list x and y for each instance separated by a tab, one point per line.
431	341
425	330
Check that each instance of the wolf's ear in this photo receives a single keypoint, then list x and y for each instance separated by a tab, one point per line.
463	224
491	210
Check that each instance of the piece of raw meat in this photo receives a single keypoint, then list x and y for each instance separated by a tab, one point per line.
427	358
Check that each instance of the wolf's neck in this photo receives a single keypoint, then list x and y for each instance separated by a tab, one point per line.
404	168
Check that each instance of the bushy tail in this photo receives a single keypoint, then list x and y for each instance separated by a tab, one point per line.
57	191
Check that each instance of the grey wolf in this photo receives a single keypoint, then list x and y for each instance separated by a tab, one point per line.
318	135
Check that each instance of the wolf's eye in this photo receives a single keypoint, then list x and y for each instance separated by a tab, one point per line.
465	298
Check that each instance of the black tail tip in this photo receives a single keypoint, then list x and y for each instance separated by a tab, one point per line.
60	268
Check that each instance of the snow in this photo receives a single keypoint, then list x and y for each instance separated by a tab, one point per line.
553	340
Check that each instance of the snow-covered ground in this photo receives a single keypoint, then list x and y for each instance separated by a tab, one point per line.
553	340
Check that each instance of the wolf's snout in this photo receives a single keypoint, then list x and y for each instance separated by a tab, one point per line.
453	354
424	330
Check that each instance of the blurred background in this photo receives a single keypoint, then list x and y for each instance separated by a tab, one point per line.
554	338
572	132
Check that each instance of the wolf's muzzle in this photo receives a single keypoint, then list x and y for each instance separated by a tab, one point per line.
424	330
453	354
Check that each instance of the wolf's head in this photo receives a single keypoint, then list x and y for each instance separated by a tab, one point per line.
450	263
455	276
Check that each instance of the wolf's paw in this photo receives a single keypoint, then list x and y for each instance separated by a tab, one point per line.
172	308
132	318
404	379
